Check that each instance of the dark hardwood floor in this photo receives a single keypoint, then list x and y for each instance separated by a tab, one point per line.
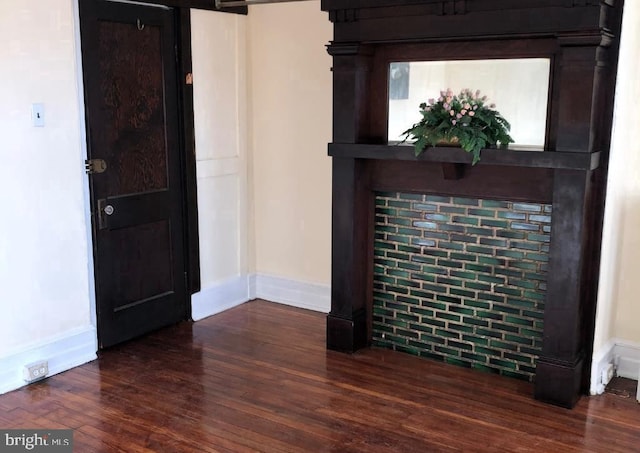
258	378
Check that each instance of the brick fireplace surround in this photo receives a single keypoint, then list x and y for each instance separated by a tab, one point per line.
569	176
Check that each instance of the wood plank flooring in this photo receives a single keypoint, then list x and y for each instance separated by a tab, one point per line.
258	378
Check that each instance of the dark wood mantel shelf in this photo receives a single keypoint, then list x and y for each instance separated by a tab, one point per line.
491	156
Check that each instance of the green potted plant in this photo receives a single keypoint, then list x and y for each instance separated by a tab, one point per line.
464	119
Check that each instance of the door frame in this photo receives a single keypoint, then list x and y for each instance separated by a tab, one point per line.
186	142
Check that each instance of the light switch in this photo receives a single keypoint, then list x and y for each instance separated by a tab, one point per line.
37	115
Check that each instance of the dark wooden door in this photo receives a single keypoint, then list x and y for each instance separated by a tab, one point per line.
129	66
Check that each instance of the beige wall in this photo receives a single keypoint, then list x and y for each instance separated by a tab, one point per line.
618	298
290	105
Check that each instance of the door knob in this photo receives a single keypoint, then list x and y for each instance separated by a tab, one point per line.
108	209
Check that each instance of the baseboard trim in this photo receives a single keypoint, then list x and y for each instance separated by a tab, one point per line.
600	361
64	352
310	296
220	297
627	359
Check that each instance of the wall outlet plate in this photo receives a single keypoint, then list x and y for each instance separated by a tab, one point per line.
36	371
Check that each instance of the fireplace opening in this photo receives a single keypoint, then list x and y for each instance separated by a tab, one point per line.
461	280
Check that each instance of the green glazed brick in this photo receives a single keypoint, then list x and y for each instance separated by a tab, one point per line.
487	351
508	272
410	196
474	357
423	259
527	207
490	261
508	291
451	209
387	194
387	211
491	279
502	363
466	220
526	369
396	307
476	340
478	268
384	245
448	316
547	208
410	215
525	226
489	333
439	253
434	270
523	265
506	309
378	252
409	266
434	322
434	235
450	264
537	257
493	242
380	295
408	300
381	201
407	350
399	221
407	333
438	199
538	237
546	228
448	299
431	338
408	249
421	328
478	249
451	245
540	218
525	245
460	328
488	315
491	297
477	286
448	281
461	292
423	242
383	279
386	229
424	224
510	234
396	322
477	304
424	207
450	227
457	362
463	274
437	217
476	322
382	311
519	340
448	351
462	310
466	201
510	254
382	328
407	283
535	276
503	345
399	204
463	257
494	223
516	375
398	273
431	356
420	345
436	305
534	295
495	204
533	314
531	333
434	288
421	294
422	311
504	327
408	231
512	215
398	256
482	212
447	334
522	283
397	289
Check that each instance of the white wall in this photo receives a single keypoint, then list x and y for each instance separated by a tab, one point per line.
44	252
618	316
290	99
221	124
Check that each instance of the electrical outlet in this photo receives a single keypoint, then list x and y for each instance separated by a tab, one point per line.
35	371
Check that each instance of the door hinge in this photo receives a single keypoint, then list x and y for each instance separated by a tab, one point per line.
92	166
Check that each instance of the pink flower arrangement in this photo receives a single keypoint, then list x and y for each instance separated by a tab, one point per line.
465	117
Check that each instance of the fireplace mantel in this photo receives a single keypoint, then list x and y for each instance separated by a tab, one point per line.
580	39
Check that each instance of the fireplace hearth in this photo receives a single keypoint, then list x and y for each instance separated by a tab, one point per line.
569	175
